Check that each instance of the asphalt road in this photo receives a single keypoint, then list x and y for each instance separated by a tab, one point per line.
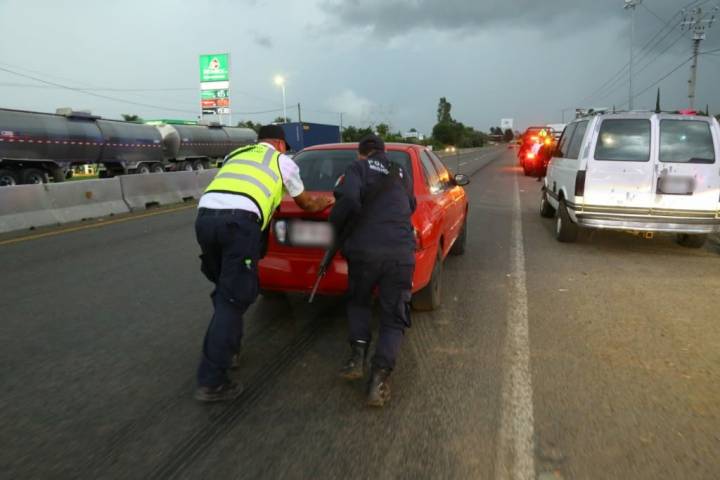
599	359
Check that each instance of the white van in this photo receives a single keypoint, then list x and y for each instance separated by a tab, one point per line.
638	171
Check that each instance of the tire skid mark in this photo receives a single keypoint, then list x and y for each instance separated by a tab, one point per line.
160	413
193	447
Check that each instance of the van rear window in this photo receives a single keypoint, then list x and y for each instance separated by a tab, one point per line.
686	141
624	141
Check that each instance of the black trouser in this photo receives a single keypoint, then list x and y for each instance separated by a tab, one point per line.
230	243
394	281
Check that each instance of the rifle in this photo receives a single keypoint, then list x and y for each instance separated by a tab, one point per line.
327	258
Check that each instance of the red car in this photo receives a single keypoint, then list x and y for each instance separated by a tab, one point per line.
297	238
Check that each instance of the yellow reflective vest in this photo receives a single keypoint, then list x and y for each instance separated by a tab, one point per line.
253	172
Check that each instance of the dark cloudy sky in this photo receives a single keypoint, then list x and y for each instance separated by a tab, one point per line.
375	60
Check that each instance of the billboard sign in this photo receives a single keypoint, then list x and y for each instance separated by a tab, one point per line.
215	67
506	123
215	83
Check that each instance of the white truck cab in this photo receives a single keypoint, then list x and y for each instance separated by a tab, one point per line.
637	171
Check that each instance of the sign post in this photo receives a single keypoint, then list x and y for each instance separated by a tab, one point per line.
215	84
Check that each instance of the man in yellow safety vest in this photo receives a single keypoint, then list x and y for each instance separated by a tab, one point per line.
232	214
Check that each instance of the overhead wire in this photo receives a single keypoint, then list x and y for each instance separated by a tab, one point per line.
610	85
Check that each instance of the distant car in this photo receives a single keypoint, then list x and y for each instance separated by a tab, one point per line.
297	238
534	153
642	172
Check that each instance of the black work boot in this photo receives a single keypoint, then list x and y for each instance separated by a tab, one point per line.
224	392
379	387
354	368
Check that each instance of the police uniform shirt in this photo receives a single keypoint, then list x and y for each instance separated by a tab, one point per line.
290	173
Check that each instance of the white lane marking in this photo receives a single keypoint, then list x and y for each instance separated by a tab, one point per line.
515	455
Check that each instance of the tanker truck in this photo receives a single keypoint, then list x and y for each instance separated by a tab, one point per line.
37	147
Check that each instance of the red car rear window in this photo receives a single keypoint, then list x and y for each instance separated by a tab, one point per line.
320	169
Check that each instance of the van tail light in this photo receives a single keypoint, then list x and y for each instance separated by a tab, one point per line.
580	183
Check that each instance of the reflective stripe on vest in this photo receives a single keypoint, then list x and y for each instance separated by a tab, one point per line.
253	172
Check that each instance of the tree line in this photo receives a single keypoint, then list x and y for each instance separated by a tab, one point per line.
446	132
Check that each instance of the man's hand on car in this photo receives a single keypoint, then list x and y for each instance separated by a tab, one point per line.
313	203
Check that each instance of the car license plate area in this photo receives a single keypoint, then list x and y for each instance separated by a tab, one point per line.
305	233
675	185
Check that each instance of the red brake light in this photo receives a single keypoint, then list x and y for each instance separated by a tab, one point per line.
530	156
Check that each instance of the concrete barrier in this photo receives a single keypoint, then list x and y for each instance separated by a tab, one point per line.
24	207
143	191
204	179
74	201
29	206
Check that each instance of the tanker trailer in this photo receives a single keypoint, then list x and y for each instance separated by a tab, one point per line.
130	148
198	147
35	147
239	137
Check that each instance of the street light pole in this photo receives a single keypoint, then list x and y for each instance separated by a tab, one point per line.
631	5
280	81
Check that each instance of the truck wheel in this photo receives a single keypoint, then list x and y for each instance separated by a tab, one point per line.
58	174
691	241
565	230
157	168
546	210
206	164
458	247
198	165
30	176
184	167
428	298
8	178
143	169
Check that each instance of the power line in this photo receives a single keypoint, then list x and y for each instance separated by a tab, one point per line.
660	80
610	85
98	95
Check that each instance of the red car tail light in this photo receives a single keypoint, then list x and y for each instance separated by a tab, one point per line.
280	230
531	156
418	239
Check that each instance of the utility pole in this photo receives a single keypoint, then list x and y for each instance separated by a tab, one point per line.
698	22
299	113
341	126
631	5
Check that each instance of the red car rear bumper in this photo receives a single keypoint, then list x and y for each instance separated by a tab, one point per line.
297	272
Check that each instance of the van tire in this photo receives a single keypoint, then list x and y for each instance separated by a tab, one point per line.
546	210
428	298
565	230
691	241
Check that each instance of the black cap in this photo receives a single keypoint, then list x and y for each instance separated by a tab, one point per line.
369	143
272	132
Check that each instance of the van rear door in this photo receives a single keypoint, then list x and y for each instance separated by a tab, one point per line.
620	173
687	173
